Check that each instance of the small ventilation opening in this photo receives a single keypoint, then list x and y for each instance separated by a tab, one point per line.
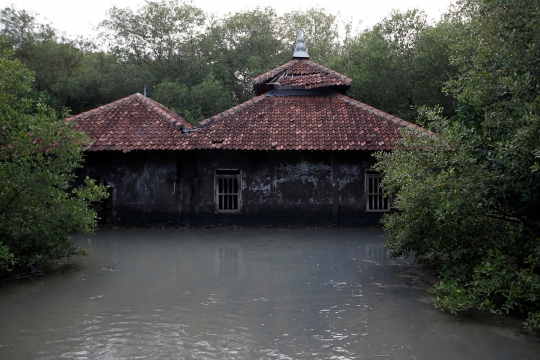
228	190
377	200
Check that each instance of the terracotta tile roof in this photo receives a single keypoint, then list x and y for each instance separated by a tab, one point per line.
303	74
304	113
132	123
298	122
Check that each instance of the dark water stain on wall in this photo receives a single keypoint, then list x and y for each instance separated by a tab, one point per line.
277	187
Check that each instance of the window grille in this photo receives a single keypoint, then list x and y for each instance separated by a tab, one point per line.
377	200
228	196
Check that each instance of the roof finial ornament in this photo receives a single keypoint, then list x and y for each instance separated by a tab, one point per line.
300	50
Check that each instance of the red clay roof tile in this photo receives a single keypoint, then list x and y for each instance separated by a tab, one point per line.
279	120
303	74
132	123
296	122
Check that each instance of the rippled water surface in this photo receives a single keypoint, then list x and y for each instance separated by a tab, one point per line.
241	294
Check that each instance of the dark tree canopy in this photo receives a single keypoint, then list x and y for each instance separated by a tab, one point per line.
398	65
469	199
38	156
69	73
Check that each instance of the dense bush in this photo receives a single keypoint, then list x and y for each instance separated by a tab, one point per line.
38	154
469	199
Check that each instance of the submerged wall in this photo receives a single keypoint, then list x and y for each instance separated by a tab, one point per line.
142	184
279	188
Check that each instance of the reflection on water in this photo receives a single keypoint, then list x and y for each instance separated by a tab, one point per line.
238	294
229	259
376	252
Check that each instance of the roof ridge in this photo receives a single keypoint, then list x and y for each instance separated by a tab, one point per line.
387	116
154	105
271	73
329	71
231	111
103	108
159	108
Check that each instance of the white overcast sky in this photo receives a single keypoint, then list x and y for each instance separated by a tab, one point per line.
76	17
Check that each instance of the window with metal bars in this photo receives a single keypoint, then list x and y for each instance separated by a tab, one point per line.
228	191
377	200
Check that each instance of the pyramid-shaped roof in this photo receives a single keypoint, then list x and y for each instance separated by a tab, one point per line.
301	74
307	120
301	105
132	123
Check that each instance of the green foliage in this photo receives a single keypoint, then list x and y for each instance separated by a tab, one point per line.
163	38
38	154
400	64
499	101
469	199
68	72
22	32
321	28
7	258
185	52
197	103
101	79
244	45
198	66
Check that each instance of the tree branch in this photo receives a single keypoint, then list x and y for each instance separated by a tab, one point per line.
515	219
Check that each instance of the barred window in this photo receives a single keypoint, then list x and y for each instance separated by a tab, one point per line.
228	191
377	200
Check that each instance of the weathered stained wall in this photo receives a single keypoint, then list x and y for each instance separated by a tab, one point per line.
142	183
284	188
350	172
280	188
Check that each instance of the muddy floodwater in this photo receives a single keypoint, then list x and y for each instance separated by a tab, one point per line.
242	294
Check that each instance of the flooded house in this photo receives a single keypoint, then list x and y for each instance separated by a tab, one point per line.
298	153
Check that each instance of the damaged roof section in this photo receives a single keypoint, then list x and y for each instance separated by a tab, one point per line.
132	123
301	74
299	122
